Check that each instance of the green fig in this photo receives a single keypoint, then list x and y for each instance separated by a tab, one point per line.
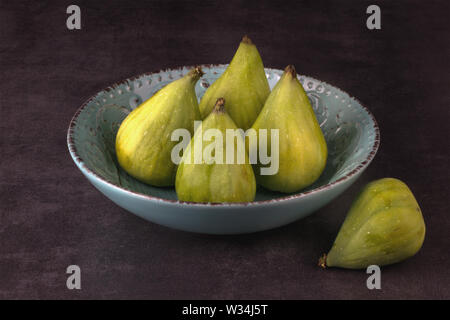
384	226
301	145
243	85
143	142
216	169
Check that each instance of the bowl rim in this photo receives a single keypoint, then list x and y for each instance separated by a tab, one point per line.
85	169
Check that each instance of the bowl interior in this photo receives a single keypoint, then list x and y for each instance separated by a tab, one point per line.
349	129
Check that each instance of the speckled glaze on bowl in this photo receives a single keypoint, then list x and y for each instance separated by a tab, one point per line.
350	130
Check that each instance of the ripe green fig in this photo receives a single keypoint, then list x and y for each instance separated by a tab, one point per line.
384	226
243	85
143	142
213	167
302	147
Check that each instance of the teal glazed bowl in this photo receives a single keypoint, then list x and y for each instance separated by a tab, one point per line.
350	130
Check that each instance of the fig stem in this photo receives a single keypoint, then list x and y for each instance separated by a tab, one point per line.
196	73
220	106
323	261
246	39
290	69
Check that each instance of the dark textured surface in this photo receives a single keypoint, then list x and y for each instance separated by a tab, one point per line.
52	217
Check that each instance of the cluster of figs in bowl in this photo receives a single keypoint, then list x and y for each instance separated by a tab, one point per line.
347	128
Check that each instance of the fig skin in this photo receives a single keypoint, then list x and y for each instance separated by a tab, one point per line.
243	85
143	142
302	146
384	226
212	182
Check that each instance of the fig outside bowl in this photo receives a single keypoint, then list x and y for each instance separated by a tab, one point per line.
349	128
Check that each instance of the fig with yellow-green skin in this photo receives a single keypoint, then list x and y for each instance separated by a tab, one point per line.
301	144
243	85
143	142
216	171
384	226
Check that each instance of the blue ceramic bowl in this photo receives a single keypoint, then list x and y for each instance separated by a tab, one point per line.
350	130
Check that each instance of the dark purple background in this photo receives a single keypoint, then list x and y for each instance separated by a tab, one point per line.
52	217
